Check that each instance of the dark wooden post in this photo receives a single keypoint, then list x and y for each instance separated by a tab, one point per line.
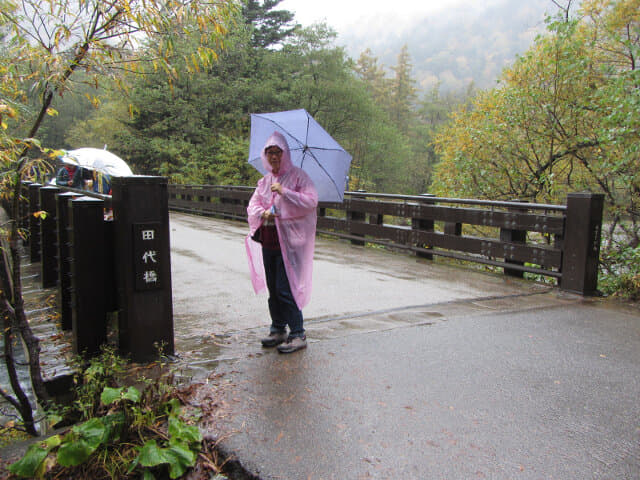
87	246
48	237
581	253
513	236
354	216
453	228
110	284
34	222
141	223
376	219
64	258
423	224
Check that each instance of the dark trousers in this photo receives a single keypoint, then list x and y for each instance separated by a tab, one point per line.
282	306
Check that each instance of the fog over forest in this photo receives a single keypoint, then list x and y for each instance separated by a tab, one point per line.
453	46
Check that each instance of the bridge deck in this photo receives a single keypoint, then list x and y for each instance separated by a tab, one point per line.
414	370
355	289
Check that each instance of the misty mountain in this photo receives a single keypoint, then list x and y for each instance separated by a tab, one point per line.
454	46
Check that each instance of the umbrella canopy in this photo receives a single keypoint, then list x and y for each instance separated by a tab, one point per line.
312	149
96	159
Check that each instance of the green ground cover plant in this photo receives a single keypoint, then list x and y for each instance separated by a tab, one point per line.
118	427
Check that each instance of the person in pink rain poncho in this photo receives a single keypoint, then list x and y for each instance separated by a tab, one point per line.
282	228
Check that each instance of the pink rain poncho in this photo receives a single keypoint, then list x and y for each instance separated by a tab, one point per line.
295	223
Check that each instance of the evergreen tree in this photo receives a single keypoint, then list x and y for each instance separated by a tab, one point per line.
403	91
374	76
268	27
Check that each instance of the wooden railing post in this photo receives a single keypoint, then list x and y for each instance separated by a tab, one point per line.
142	256
423	224
513	235
355	216
581	252
376	219
87	247
64	259
453	228
48	237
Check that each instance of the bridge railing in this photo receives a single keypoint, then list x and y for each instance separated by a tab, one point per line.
556	241
105	266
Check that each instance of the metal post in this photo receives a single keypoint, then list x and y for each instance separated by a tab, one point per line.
87	246
64	259
34	222
49	237
581	253
141	223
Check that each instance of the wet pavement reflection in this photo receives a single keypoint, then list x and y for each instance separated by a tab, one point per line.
218	317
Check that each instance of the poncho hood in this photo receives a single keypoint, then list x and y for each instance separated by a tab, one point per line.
278	140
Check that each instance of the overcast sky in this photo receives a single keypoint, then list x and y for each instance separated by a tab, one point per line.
451	42
341	14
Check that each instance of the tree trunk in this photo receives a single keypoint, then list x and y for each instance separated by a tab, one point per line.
21	404
21	324
14	317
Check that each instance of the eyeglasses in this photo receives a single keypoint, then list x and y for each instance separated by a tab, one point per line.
274	152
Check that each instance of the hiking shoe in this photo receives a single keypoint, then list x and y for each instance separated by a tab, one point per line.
274	339
293	344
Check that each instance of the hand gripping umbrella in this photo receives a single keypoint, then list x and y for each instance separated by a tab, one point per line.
312	149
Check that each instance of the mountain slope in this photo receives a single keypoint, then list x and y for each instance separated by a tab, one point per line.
453	46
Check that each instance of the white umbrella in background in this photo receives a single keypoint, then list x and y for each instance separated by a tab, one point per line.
99	160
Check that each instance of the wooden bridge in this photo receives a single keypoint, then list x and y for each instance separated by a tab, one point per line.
556	241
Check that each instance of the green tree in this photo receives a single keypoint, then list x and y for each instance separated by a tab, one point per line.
268	26
374	77
72	108
403	91
196	130
101	127
186	130
564	119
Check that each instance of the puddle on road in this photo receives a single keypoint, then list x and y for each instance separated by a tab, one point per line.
189	254
198	355
200	350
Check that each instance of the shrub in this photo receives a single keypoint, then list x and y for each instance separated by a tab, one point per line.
126	431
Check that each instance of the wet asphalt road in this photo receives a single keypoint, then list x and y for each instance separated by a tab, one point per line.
414	370
355	289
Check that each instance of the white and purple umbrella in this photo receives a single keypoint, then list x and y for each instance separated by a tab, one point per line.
312	149
97	159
